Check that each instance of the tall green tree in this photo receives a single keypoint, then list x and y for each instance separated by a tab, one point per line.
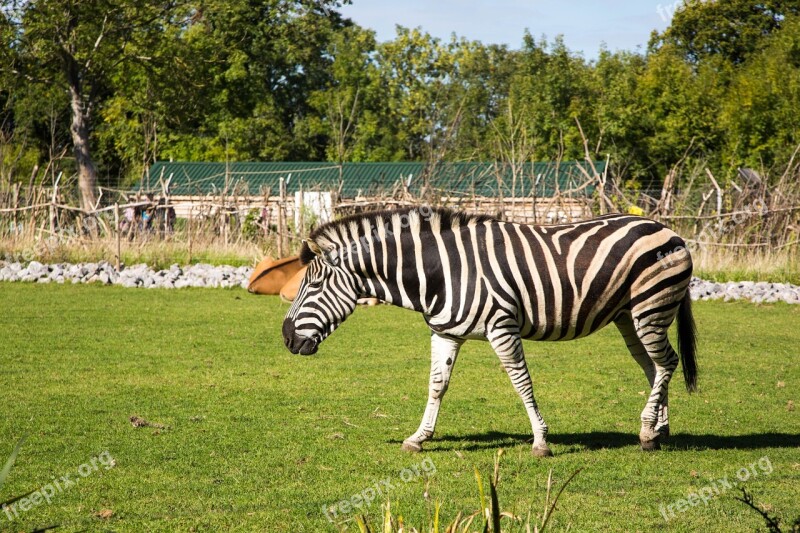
552	88
262	61
760	112
618	112
414	70
732	30
477	91
75	46
346	107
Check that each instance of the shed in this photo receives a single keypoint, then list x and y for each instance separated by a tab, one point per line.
352	180
492	187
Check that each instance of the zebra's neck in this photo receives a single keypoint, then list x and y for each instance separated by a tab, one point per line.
385	252
382	257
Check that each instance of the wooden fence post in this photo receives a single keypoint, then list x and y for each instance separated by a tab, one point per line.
189	233
266	212
52	210
719	198
117	259
281	215
16	207
301	215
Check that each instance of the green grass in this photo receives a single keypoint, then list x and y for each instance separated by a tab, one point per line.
260	440
778	275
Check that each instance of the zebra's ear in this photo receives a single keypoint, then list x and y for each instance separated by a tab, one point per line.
313	246
327	252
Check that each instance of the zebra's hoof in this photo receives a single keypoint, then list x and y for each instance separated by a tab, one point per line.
411	446
541	451
650	445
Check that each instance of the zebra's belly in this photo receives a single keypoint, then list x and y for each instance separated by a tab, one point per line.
550	328
565	327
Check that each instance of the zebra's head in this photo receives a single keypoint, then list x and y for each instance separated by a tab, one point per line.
326	297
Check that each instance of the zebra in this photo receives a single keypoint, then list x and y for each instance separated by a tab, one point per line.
477	277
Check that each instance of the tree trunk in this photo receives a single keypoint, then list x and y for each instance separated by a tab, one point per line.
79	129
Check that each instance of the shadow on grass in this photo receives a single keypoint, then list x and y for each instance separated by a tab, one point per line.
596	440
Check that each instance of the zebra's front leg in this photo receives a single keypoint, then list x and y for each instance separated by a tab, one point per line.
662	426
508	346
444	351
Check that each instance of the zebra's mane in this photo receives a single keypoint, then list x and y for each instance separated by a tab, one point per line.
447	218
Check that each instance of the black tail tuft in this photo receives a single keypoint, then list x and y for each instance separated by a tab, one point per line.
687	342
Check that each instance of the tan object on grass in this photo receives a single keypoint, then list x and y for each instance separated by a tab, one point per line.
271	275
289	291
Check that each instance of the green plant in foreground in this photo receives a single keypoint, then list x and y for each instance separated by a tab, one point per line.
4	475
7	469
773	522
490	513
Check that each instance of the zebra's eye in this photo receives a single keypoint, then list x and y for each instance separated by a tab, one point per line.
315	283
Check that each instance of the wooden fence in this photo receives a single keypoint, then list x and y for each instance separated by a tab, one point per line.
744	214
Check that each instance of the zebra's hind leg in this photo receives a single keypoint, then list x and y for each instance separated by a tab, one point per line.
444	351
624	323
652	332
508	346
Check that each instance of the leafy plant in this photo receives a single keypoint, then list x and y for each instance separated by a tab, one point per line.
489	513
251	229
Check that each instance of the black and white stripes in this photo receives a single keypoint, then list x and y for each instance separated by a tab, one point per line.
477	277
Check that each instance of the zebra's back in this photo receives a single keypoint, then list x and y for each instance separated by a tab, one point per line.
557	282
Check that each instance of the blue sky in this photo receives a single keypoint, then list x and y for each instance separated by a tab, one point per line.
585	24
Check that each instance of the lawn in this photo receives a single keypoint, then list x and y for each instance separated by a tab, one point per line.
243	435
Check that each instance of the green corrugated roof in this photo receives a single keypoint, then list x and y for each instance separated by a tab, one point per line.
456	179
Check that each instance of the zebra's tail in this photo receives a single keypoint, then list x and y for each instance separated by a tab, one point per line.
687	342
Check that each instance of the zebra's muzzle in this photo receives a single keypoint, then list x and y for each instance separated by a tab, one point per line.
297	344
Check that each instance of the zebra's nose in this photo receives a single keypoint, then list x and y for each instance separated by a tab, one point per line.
288	335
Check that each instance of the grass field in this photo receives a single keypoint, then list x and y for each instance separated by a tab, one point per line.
256	439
